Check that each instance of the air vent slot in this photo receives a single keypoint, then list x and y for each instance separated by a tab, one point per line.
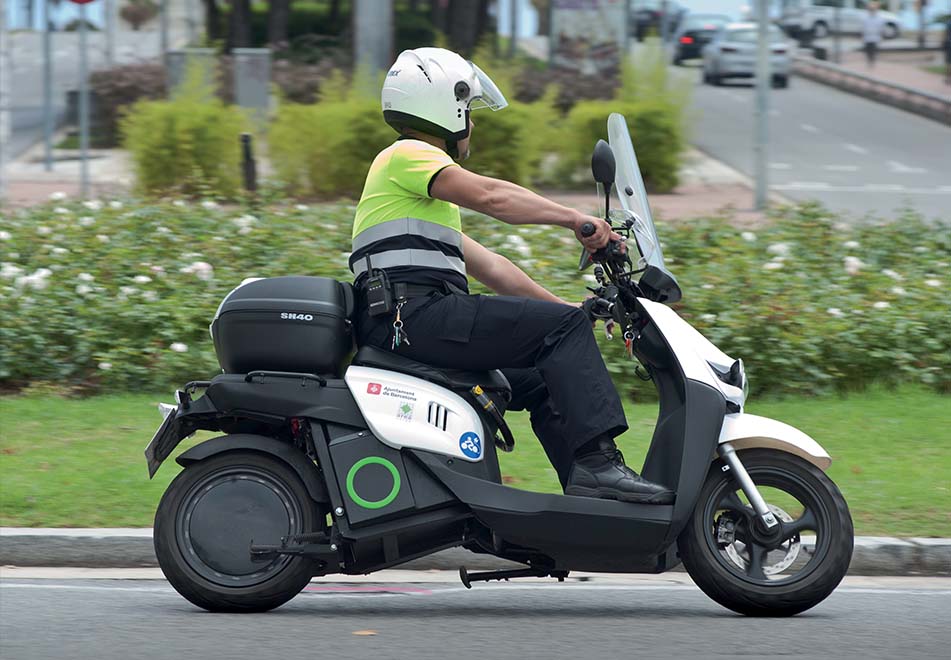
437	415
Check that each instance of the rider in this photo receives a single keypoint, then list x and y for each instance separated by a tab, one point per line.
408	223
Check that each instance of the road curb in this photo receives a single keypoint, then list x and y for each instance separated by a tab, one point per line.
132	548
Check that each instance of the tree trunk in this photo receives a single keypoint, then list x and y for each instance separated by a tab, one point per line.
464	25
439	10
239	34
212	20
279	13
334	11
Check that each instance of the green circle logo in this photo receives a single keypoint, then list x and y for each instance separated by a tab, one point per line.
373	460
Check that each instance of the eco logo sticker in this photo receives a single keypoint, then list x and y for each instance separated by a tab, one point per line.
471	445
405	411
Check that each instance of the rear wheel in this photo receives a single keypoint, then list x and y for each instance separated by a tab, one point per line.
759	572
820	30
210	515
781	82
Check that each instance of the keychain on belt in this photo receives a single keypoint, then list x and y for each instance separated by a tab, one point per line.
399	334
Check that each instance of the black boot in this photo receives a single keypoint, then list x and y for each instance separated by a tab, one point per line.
602	473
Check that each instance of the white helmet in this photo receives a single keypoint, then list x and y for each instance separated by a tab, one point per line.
431	90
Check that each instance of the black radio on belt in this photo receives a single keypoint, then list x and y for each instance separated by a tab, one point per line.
379	292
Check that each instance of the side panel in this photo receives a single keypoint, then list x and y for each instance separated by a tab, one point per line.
745	431
407	412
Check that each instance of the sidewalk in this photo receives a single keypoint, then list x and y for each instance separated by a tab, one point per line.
902	68
129	548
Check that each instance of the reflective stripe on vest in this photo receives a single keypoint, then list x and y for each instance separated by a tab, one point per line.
382	242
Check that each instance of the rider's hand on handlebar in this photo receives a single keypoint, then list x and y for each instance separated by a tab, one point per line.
601	236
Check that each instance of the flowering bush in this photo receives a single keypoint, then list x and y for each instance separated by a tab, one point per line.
105	295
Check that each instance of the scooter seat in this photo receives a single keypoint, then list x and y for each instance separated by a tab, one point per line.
454	379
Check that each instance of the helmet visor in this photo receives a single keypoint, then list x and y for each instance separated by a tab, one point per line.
491	96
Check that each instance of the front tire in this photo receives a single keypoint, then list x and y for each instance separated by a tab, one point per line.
209	516
735	563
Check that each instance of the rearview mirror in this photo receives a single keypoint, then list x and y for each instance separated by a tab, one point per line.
602	164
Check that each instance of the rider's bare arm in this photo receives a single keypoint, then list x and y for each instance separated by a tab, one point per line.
515	205
501	275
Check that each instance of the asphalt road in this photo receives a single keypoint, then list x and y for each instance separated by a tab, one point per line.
851	154
610	617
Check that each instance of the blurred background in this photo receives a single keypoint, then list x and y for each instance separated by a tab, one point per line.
155	153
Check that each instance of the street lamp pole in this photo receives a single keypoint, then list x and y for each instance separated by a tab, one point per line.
47	89
761	113
83	105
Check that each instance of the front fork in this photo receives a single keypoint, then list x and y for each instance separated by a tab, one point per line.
728	454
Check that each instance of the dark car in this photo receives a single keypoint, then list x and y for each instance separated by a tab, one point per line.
696	31
648	15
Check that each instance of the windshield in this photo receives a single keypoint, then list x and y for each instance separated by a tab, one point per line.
749	36
631	191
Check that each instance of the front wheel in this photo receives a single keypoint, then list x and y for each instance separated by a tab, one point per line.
210	515
760	572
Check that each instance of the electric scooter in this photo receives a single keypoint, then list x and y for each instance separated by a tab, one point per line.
328	467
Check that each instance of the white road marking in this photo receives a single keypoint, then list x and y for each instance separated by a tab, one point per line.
809	128
900	168
780	166
805	185
841	168
868	188
856	149
885	187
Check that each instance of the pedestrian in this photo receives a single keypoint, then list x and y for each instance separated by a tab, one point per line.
407	238
872	28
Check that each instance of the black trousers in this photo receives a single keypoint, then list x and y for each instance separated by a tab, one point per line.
546	350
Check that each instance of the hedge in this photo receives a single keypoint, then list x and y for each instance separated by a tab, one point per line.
99	296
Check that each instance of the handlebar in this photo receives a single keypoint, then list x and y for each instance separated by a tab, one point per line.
587	229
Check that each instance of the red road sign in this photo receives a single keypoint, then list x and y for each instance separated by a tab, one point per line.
81	2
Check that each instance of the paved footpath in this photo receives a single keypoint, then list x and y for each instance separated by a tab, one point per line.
132	547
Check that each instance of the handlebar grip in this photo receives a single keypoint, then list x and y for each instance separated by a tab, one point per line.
587	229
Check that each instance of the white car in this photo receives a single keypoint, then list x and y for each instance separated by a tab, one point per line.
819	16
732	54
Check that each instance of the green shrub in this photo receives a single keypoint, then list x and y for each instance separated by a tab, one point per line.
189	144
98	298
325	149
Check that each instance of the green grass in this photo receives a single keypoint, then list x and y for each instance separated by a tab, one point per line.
79	463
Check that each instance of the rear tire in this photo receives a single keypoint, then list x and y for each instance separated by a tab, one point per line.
207	519
781	82
820	30
711	560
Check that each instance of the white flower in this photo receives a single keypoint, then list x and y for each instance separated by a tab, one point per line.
709	318
157	269
898	291
933	282
60	250
201	269
57	196
87	221
302	207
85	277
888	272
150	296
43	231
142	279
852	265
42	272
61	210
179	203
115	205
244	221
852	245
105	366
921	249
179	347
781	249
163	230
706	286
102	238
5	235
881	304
36	281
773	265
519	245
748	236
209	204
127	290
834	311
83	289
9	271
93	205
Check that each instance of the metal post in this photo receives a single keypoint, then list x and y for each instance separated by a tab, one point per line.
663	21
5	71
83	107
47	89
837	33
761	114
164	30
109	9
373	35
513	26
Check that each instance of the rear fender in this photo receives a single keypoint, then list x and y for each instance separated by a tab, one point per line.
744	431
304	467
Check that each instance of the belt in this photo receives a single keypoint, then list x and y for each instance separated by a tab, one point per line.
407	290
